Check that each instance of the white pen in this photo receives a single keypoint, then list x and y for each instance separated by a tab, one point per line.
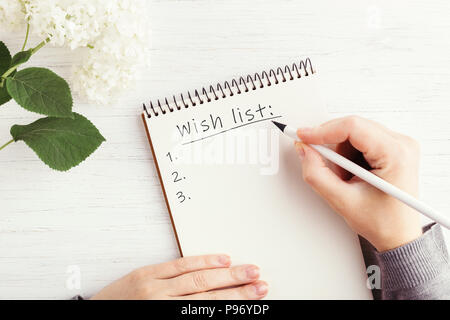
372	179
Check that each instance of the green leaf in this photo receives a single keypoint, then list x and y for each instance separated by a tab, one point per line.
5	58
61	143
42	91
4	96
5	61
21	57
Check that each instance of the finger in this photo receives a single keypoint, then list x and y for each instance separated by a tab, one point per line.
323	180
346	150
371	139
205	280
189	264
379	125
254	291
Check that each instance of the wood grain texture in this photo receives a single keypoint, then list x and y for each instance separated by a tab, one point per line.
385	60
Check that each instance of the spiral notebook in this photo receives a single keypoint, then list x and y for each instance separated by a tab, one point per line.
233	184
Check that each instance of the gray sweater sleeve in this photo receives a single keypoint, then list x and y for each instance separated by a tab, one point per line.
418	270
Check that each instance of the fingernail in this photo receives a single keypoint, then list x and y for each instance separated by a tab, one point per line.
224	260
260	289
252	272
300	150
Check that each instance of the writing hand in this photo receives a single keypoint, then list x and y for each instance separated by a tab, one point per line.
203	278
381	219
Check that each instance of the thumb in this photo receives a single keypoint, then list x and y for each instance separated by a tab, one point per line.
322	179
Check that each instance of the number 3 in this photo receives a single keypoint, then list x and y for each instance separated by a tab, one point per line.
181	196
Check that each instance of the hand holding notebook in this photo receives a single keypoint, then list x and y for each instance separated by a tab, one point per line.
386	224
287	267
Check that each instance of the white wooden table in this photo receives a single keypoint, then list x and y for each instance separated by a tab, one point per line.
385	60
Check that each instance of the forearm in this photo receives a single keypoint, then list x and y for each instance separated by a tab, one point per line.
418	270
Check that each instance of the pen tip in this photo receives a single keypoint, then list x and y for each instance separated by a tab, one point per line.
279	125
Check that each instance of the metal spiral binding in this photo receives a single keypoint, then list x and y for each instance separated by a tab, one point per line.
237	86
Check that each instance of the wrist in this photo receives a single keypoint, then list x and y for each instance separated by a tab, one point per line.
397	240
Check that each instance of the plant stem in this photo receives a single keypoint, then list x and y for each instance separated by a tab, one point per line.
6	144
40	45
26	37
8	72
33	51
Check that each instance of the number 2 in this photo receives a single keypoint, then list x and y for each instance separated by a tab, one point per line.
175	176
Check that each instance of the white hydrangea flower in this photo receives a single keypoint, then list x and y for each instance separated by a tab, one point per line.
113	62
108	68
12	15
67	22
116	32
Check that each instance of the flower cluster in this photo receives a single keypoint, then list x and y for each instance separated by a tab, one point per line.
113	33
71	23
114	59
12	14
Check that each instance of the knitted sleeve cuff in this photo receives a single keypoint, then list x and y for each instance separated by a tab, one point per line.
416	262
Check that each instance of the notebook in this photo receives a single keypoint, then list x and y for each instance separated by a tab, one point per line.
233	183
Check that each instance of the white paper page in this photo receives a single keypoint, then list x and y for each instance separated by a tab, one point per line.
242	193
